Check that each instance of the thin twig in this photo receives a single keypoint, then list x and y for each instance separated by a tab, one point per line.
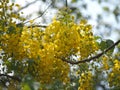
12	77
26	6
39	15
66	3
91	58
33	26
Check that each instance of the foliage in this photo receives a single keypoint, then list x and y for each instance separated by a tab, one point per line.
35	55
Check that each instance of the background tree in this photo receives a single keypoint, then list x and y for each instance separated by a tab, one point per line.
64	55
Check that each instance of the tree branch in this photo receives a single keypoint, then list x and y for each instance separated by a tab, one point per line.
66	3
33	26
41	14
26	6
12	77
91	58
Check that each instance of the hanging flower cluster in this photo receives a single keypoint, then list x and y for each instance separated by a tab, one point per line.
113	77
62	38
85	81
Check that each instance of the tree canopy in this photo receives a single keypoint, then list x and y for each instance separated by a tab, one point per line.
63	55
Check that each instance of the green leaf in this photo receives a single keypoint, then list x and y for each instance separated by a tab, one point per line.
26	87
20	25
99	1
106	9
11	29
105	44
73	1
116	13
97	38
30	61
13	0
109	42
118	46
29	83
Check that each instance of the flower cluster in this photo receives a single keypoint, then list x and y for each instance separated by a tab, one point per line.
114	75
62	38
71	38
105	62
85	81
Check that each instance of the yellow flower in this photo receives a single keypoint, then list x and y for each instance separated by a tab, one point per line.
17	5
31	21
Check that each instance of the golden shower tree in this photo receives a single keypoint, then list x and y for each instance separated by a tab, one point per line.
43	57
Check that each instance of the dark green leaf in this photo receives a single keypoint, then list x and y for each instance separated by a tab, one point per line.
105	44
73	1
20	25
99	1
106	9
11	29
109	42
31	61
